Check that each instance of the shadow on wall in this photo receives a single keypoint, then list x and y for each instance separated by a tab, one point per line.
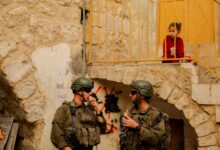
9	104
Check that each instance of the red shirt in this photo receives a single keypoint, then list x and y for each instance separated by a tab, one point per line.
169	44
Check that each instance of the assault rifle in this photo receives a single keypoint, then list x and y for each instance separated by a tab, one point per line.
123	134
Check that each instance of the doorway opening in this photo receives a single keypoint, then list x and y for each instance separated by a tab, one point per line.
183	135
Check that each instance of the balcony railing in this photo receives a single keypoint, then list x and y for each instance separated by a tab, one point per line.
134	31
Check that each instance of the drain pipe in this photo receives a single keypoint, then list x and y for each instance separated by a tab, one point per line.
84	42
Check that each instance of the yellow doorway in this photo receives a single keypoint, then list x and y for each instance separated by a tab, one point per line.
196	16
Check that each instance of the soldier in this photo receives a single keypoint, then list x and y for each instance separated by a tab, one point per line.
143	127
76	125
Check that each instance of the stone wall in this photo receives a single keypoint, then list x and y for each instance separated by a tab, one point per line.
172	83
40	54
120	29
116	36
125	29
111	141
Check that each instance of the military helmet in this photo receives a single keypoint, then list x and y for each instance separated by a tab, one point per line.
143	87
81	83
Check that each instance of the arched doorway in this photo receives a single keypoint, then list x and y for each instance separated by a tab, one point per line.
183	135
173	85
19	104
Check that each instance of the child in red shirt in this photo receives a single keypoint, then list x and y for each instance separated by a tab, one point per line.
169	49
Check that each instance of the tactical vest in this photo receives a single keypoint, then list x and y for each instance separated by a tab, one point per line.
132	139
85	126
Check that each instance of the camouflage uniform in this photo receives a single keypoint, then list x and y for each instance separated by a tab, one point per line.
152	129
85	122
77	126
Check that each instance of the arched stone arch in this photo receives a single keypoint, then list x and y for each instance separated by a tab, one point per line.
171	83
21	97
24	29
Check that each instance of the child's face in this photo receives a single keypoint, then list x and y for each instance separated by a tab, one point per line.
173	32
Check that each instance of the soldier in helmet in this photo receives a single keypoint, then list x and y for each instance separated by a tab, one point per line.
143	125
75	125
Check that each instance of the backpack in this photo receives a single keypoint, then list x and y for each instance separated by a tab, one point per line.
165	140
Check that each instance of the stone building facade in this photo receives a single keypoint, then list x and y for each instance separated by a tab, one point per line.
40	54
41	44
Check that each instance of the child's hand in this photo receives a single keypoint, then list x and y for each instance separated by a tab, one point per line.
172	50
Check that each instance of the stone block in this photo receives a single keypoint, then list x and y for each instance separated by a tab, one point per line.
47	8
16	16
141	73
209	109
31	130
3	33
209	140
70	32
72	13
147	75
115	73
16	69
6	47
217	113
54	75
34	108
205	129
98	72
65	2
165	90
129	75
184	83
25	90
47	30
200	92
218	136
27	38
182	102
126	27
28	144
190	111
5	2
193	70
199	119
98	38
175	95
215	93
206	94
33	21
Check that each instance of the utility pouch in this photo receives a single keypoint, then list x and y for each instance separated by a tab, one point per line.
82	135
72	139
93	136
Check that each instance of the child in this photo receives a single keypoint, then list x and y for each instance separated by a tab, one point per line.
173	46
